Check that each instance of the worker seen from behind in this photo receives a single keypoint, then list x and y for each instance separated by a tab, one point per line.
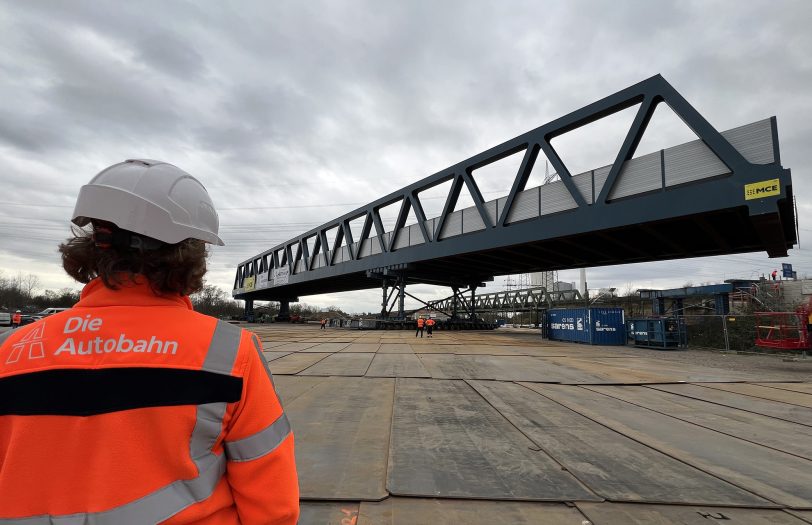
131	408
16	319
429	326
420	323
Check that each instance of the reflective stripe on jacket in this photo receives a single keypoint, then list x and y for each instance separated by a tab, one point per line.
132	409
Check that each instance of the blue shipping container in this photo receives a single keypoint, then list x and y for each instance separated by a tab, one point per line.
666	333
595	326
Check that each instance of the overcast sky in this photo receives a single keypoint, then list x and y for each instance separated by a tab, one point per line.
293	113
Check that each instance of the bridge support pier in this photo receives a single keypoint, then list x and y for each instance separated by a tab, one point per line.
249	310
284	311
401	297
390	288
385	298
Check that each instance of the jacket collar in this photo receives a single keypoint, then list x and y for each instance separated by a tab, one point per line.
133	293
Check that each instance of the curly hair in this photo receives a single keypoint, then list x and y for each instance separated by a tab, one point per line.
171	268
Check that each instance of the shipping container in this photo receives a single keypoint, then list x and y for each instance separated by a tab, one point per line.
594	326
666	333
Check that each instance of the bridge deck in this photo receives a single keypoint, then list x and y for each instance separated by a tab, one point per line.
501	427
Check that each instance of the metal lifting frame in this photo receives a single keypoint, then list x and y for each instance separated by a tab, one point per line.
528	299
438	259
398	286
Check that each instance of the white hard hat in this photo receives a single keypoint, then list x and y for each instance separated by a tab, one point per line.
151	198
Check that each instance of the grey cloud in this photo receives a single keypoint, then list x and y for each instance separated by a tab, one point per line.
166	52
290	103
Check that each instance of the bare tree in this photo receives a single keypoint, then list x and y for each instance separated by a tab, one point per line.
28	284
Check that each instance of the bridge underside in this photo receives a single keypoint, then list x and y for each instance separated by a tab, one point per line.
720	232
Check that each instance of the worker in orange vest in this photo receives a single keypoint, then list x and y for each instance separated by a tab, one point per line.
420	323
16	319
809	324
163	415
429	326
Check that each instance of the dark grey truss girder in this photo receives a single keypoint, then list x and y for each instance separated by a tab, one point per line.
524	300
651	223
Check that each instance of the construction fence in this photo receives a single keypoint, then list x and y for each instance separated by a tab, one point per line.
732	332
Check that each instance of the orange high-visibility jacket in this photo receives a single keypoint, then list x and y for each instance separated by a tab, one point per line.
16	318
430	322
132	409
420	323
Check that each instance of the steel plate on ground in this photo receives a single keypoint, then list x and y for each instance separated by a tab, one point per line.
774	409
505	368
342	438
397	365
590	371
434	349
270	356
449	366
637	370
763	392
273	344
289	388
488	350
395	348
340	364
294	363
568	371
327	347
448	442
774	475
636	514
328	513
295	347
805	515
419	511
362	347
611	464
782	435
511	368
803	388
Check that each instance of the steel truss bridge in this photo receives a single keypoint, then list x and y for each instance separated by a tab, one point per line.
524	300
723	193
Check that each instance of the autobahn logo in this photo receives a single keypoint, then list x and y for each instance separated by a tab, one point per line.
30	344
759	190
